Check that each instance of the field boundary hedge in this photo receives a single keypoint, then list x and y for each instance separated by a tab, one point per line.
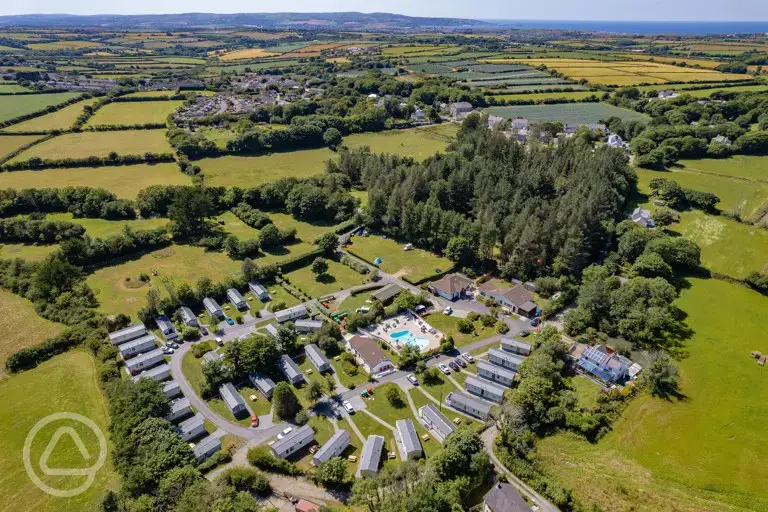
92	161
25	147
47	110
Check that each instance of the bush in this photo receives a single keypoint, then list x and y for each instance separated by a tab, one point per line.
215	460
302	417
200	349
261	458
246	479
465	326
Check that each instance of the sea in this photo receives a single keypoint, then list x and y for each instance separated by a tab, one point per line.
643	27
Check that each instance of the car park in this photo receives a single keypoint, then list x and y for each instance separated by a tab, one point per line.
412	379
468	357
444	369
348	406
459	361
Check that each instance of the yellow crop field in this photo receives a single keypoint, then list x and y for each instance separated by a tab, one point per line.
9	143
417	49
704	63
249	53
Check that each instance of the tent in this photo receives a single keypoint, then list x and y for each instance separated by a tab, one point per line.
377	261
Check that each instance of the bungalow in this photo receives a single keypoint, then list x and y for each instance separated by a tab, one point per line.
127	334
188	317
138	346
262	383
460	109
495	373
211	356
643	218
605	364
468	404
290	369
436	422
407	440
515	346
504	498
293	442
166	327
484	389
171	388
666	95
271	330
387	293
144	361
451	286
515	297
505	359
370	355
179	408
306	326
333	448
293	313
206	448
236	298
317	358
369	462
158	373
259	290
213	307
232	398
191	428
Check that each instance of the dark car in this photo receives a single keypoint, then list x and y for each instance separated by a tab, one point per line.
536	322
459	361
524	333
337	415
453	366
204	331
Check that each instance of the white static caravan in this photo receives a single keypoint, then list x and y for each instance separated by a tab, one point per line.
206	448
505	359
138	346
495	373
144	361
407	440
293	442
127	334
515	346
191	428
317	358
212	307
484	388
333	448
157	373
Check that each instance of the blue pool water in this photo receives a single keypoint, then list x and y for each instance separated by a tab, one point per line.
408	338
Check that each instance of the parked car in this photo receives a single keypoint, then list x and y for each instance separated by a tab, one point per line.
285	432
348	407
230	321
220	342
536	322
524	333
444	369
204	331
453	366
413	380
459	361
172	344
337	415
254	421
468	357
167	351
448	310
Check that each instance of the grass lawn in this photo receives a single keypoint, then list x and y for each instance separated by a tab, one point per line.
349	381
278	295
134	112
15	106
586	391
26	252
739	166
567	113
62	119
180	263
438	388
306	231
352	302
339	277
701	453
101	228
125	180
236	227
261	406
416	264
447	324
362	195
100	144
65	383
20	326
9	143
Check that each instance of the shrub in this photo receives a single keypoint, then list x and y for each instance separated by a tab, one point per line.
261	458
302	417
247	479
465	326
217	459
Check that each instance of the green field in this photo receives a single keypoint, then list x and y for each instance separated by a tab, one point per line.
20	326
125	180
236	227
67	383
249	171
737	166
568	113
101	228
25	251
14	106
306	231
447	324
416	264
180	263
11	88
705	452
133	113
536	96
339	277
100	144
62	119
10	143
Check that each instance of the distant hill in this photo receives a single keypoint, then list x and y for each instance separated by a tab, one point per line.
332	20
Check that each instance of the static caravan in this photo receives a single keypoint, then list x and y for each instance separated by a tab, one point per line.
271	330
333	448
407	440
191	428
468	404
232	398
290	369
484	389
206	448
306	326
188	317
127	334
294	313
369	463
158	373
259	290
166	327
179	408
440	426
211	356
317	358
293	442
495	373
138	346
144	361
212	307
262	383
236	299
515	346
505	359
171	389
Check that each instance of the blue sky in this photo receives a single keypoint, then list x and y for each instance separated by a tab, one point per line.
646	10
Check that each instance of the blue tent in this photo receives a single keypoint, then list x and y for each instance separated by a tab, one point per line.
377	261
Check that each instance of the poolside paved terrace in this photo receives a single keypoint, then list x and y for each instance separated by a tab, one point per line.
408	328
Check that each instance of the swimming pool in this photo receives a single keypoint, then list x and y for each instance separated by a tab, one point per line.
408	338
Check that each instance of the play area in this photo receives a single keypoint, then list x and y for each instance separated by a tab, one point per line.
407	329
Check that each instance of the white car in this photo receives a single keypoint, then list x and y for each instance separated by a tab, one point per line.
444	369
448	310
468	357
412	379
220	342
348	406
285	432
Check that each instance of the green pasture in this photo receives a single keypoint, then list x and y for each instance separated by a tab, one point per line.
416	264
12	106
62	119
339	277
20	325
10	143
567	113
101	228
26	251
134	112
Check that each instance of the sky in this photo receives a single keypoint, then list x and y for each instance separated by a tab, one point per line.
630	10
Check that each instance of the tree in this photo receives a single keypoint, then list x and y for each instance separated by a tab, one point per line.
650	264
332	138
284	401
661	376
328	243
269	237
392	394
314	391
330	386
459	250
188	210
409	355
465	326
319	267
216	373
286	338
333	472
664	216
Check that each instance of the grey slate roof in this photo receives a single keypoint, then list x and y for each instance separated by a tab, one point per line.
408	435
211	356
372	453
271	330
142	358
317	357
171	388
492	391
513	345
231	397
495	369
211	306
508	358
257	288
291	313
437	421
386	293
127	333
504	498
158	373
262	383
308	325
186	314
282	444
206	447
128	347
235	296
289	368
190	425
456	399
335	445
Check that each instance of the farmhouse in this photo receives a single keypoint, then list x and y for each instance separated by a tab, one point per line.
515	297
293	313
495	373
451	286
206	448
129	333
259	290
436	422
333	448
407	440
370	355
468	404
504	498
615	141
460	109
158	373
643	218
604	363
188	317
484	389
166	327
191	428
515	346
144	361
317	358
387	293
505	359
667	95
263	383
212	307
138	346
211	356
236	298
305	326
293	442
289	369
179	408
419	115
369	462
171	388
